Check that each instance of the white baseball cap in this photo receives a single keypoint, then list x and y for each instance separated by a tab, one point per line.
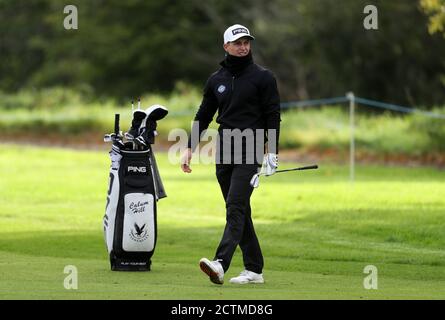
235	32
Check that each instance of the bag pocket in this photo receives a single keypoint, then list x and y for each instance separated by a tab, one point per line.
139	224
137	174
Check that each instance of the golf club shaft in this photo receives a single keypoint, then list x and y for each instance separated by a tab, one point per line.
300	168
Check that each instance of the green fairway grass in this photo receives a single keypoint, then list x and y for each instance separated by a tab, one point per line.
317	230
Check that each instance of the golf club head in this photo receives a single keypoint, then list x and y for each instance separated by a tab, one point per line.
129	136
111	137
255	181
108	138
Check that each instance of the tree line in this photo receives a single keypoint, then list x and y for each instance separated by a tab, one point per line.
316	48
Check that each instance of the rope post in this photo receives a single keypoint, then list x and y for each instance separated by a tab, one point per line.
350	96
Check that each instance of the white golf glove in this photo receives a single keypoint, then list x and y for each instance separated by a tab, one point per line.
270	164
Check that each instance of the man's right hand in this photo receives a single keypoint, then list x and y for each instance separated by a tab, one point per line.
185	160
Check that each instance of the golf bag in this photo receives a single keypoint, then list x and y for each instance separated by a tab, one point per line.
135	186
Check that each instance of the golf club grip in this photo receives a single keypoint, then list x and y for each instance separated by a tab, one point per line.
314	166
116	123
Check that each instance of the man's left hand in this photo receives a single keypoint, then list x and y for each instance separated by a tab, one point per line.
270	164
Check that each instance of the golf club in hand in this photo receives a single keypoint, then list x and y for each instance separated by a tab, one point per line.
255	181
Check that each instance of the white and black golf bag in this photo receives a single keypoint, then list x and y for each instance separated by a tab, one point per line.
135	186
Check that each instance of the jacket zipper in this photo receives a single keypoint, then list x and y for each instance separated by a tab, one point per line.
231	91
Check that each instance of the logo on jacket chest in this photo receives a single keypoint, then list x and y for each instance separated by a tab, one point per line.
221	88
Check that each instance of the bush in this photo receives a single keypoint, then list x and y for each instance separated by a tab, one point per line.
49	98
70	112
434	128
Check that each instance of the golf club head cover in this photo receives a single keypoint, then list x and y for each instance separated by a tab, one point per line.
148	126
138	118
148	132
270	164
156	112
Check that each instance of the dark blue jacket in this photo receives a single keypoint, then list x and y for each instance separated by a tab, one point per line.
247	99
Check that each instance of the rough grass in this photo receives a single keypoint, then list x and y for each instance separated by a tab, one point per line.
318	231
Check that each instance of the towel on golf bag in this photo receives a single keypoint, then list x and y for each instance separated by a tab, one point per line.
130	227
159	186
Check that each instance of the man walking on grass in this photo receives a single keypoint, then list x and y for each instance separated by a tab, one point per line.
247	100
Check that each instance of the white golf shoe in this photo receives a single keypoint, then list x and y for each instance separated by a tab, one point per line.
247	276
213	269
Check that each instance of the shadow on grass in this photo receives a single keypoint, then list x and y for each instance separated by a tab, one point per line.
291	241
91	245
